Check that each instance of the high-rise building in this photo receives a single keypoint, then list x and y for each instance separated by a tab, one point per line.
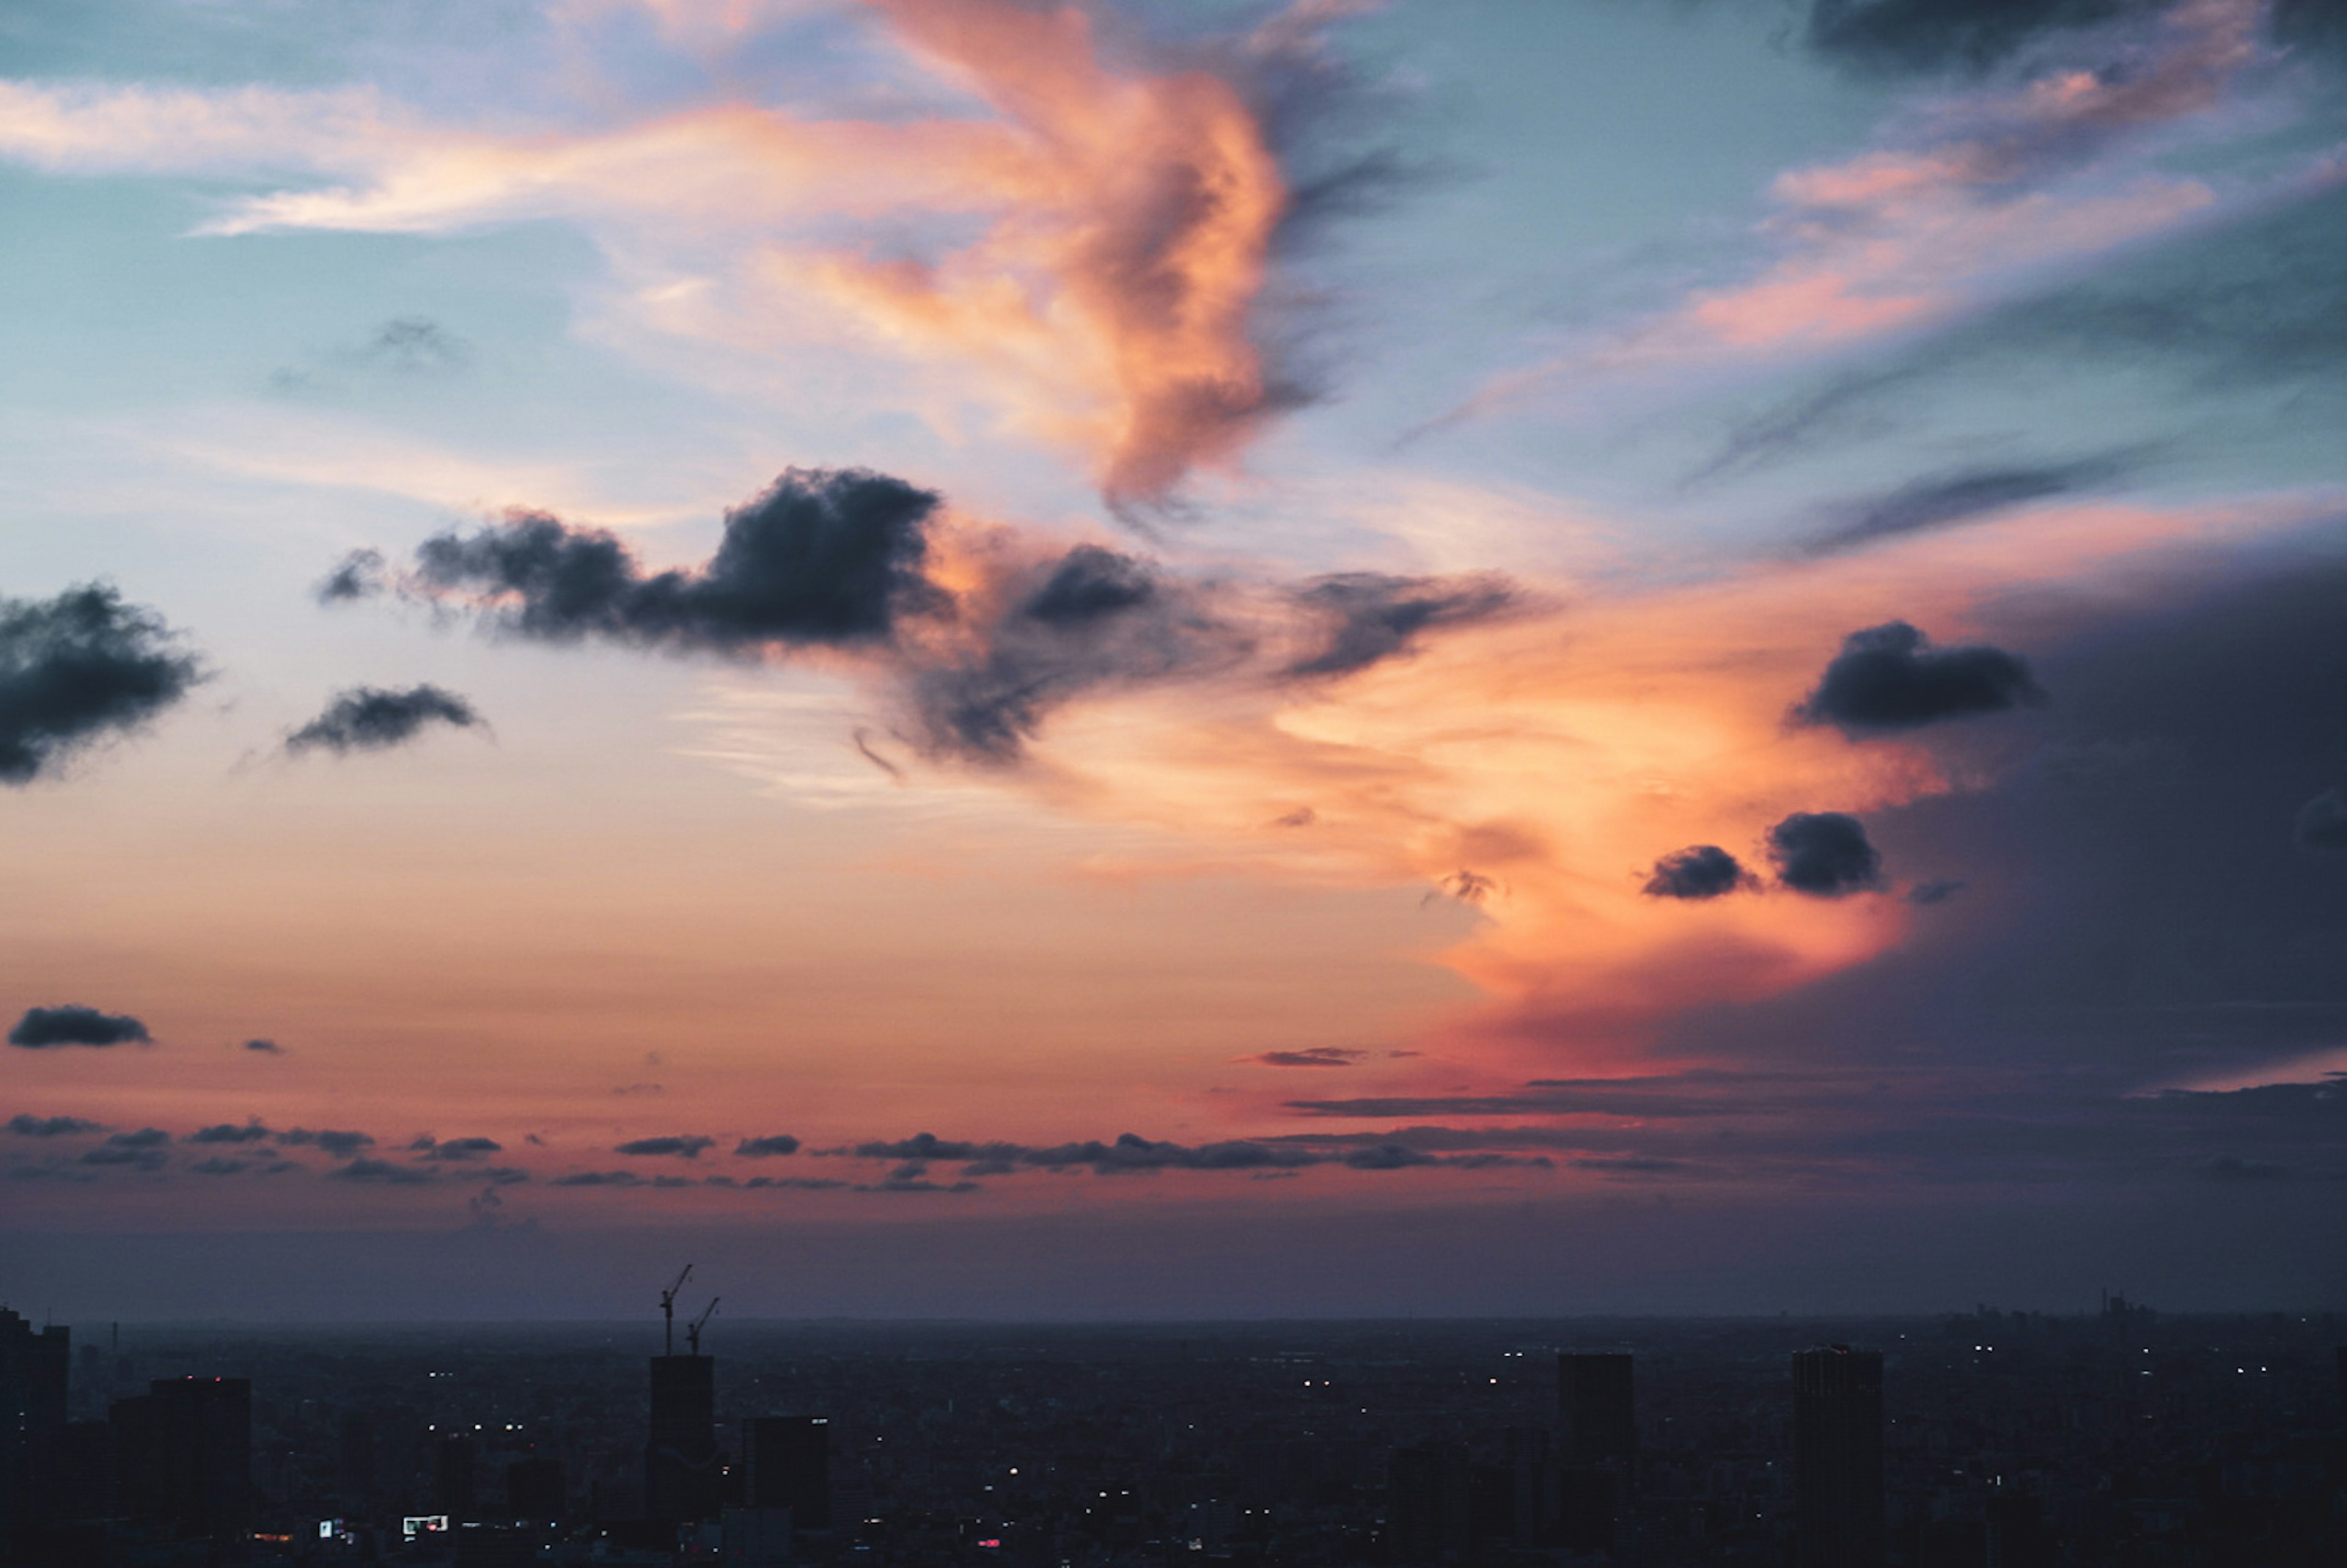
789	1462
33	1369
1598	1412
183	1460
1838	1458
683	1479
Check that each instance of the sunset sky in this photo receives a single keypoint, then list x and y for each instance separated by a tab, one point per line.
1008	657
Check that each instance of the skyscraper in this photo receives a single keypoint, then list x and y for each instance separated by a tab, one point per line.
789	1459
684	1481
32	1428
1427	1505
1838	1457
183	1456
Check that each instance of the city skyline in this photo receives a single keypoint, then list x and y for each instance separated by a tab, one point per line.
1032	660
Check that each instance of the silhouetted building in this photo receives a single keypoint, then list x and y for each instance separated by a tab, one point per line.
2013	1532
683	1479
789	1463
535	1489
1430	1504
1597	1432
32	1368
183	1460
1838	1458
453	1492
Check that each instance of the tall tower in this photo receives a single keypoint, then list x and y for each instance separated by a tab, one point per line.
32	1428
1838	1457
790	1467
683	1481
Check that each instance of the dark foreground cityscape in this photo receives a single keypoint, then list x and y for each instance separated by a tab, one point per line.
2000	1440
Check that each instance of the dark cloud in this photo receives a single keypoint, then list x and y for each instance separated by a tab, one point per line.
1311	1056
1890	677
384	1172
2322	821
1947	500
1131	1154
415	345
77	667
1088	584
1369	617
358	574
266	1047
827	556
1824	853
142	1149
1704	871
341	1145
25	1126
1939	890
229	1133
456	1148
1088	619
761	1148
598	1179
373	719
682	1146
43	1029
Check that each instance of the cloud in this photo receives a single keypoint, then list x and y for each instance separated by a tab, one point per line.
843	559
358	574
1371	617
27	1126
828	557
762	1148
1945	500
1037	631
143	1149
42	1028
685	1147
1311	1056
229	1133
1890	677
373	719
1938	890
1824	853
77	667
1130	1154
598	1179
385	1172
265	1047
1912	35
341	1145
414	345
2322	822
1969	200
456	1149
1704	871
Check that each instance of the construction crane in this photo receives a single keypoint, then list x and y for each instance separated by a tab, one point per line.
693	1329
668	1312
